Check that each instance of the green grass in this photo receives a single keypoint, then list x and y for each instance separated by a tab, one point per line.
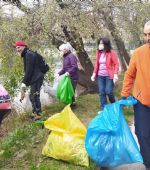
21	147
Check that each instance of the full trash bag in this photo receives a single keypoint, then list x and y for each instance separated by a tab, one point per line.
66	140
109	141
65	90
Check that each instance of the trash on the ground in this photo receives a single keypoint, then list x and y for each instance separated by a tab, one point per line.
109	141
65	90
66	140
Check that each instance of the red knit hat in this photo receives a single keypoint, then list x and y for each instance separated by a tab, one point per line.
20	43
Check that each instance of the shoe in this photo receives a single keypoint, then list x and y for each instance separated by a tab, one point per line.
31	116
37	117
73	105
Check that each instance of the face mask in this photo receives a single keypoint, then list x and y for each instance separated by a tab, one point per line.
101	47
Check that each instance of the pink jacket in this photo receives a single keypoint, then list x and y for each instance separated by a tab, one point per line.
112	63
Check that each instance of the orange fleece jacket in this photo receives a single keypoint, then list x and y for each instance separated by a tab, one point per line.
138	76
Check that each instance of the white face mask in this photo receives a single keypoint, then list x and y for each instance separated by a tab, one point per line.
101	47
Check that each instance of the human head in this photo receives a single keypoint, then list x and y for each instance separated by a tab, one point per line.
64	48
147	32
20	46
104	44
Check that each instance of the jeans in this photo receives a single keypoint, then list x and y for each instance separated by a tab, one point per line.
4	113
106	87
35	96
142	130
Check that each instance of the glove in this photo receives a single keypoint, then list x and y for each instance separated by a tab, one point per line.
66	74
93	77
115	79
23	85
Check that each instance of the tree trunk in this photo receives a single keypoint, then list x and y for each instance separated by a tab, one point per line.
75	39
123	55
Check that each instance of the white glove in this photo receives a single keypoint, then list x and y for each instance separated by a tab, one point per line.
93	77
66	74
23	85
115	79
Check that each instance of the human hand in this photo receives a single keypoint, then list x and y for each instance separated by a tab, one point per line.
93	77
66	74
122	98
23	85
115	79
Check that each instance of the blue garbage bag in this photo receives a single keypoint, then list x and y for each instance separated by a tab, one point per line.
109	141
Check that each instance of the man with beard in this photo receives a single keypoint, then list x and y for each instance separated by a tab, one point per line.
138	77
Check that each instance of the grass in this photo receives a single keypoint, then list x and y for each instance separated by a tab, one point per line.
22	145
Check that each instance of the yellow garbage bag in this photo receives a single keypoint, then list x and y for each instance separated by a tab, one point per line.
66	141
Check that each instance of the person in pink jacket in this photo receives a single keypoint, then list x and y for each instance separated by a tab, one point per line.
106	70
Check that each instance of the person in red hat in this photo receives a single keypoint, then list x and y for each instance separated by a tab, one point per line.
33	77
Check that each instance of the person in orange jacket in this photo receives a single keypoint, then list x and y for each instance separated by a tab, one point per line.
138	77
106	70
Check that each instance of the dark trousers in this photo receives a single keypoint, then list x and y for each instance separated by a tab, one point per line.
106	87
35	96
74	85
3	114
142	130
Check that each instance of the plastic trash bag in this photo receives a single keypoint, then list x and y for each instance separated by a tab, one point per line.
65	90
66	140
109	141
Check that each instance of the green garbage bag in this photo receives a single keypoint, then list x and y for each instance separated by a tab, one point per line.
65	90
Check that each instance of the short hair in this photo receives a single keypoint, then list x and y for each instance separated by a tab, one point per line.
147	24
106	42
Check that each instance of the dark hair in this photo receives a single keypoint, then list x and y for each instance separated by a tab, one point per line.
106	42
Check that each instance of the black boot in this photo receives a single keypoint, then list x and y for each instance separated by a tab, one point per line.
73	105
